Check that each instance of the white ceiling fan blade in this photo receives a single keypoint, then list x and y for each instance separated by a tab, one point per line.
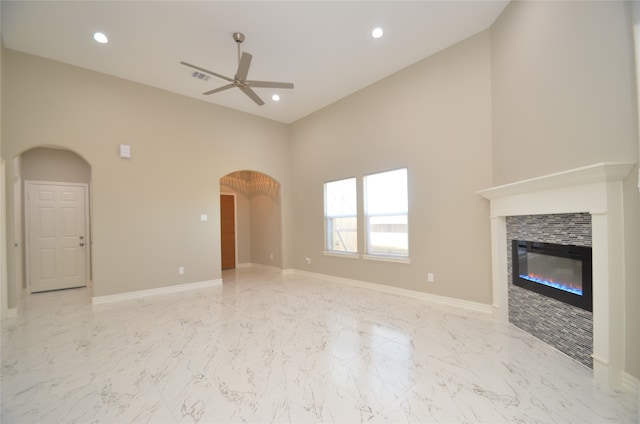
269	84
206	71
243	66
252	94
219	89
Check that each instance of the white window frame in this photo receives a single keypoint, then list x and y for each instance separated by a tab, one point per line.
328	238
369	254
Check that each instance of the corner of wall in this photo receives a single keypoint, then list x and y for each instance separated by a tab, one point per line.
4	301
4	305
632	222
631	211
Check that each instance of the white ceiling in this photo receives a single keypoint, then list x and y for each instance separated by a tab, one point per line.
324	47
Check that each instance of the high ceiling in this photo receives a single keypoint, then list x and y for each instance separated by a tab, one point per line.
324	47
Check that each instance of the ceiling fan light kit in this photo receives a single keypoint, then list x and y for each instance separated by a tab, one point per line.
240	78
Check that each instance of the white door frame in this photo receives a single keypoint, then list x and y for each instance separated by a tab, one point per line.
26	215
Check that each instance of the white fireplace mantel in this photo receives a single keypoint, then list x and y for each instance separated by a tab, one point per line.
597	190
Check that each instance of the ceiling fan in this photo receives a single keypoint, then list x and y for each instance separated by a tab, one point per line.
240	79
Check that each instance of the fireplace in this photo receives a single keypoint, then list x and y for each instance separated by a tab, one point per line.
562	272
596	190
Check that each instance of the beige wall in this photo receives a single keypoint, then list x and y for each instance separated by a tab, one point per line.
46	164
266	229
146	210
563	87
434	118
564	96
4	298
4	304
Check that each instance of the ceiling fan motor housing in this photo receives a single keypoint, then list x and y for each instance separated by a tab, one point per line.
238	37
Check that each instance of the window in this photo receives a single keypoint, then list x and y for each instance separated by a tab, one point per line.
341	216
386	214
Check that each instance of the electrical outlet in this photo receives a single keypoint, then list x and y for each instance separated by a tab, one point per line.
181	270
430	278
308	259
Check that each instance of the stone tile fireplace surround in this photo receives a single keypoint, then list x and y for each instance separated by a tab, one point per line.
597	191
566	327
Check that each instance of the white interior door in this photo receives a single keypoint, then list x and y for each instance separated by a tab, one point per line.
56	236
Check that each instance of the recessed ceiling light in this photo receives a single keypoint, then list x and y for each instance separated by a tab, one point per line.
377	32
275	98
100	38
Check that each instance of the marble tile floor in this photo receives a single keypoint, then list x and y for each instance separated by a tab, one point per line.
264	347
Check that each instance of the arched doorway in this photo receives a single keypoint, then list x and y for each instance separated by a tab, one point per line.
250	220
52	219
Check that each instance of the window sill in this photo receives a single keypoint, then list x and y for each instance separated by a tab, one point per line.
341	254
395	259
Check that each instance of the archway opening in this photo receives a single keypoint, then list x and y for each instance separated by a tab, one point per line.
257	220
63	178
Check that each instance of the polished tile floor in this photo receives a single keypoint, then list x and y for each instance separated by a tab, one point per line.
270	348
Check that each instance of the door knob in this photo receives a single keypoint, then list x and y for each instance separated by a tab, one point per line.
81	244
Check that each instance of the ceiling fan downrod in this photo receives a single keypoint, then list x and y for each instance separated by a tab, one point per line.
238	37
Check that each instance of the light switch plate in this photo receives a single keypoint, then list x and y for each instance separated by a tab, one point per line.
125	151
204	217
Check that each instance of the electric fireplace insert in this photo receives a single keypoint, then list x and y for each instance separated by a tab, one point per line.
562	272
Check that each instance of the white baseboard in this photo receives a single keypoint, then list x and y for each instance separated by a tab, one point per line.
630	384
96	300
428	297
247	265
254	265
